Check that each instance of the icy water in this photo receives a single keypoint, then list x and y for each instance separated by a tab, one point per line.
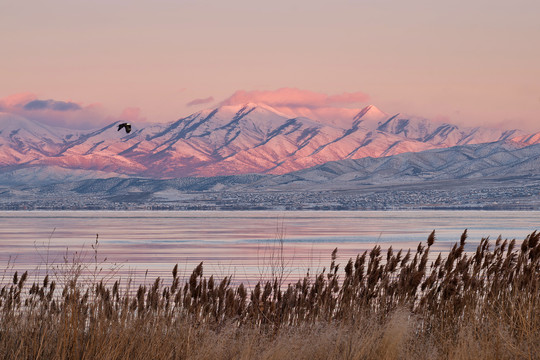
245	244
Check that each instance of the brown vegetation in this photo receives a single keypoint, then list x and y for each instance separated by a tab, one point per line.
383	305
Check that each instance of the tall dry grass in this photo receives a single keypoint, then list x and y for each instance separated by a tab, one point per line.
381	305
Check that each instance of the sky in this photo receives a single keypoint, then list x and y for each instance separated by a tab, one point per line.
87	63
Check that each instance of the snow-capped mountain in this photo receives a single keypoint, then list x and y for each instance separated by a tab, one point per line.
229	140
497	160
23	140
499	175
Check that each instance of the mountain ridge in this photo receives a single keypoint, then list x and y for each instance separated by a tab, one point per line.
230	140
498	175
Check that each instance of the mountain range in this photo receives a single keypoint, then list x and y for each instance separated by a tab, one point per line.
231	140
498	175
502	160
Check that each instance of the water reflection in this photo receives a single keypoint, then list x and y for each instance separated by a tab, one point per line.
243	244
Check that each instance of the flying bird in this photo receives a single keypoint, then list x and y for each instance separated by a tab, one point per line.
126	126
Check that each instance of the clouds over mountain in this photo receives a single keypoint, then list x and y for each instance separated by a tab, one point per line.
290	101
130	114
52	105
62	113
295	98
298	102
207	100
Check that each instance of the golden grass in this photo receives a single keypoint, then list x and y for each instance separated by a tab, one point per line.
382	305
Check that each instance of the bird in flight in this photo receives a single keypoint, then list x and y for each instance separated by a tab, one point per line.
126	126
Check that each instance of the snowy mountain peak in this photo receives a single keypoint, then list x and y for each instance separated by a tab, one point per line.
231	139
245	108
370	113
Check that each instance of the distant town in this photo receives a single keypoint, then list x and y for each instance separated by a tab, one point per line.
513	197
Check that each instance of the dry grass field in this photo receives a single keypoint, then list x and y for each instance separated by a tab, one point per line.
380	305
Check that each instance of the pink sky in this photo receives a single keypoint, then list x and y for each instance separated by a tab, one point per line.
467	62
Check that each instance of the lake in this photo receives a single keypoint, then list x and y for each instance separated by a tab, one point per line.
246	244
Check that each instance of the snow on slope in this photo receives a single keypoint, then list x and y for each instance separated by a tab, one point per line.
44	175
230	140
497	160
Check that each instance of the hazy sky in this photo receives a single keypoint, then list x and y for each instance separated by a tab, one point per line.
467	62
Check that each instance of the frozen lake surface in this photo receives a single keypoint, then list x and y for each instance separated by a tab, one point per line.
245	244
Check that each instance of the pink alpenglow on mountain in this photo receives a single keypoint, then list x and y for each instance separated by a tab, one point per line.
232	139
